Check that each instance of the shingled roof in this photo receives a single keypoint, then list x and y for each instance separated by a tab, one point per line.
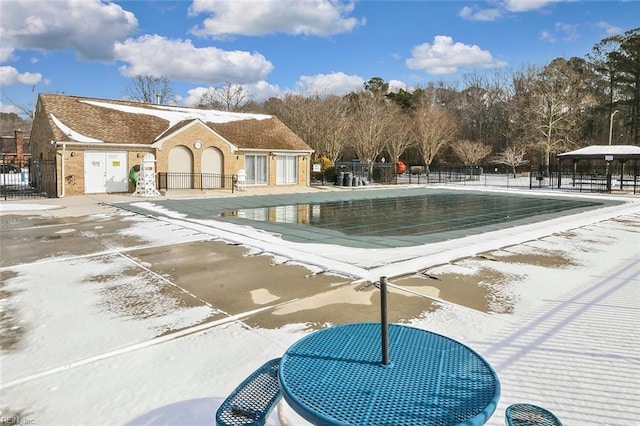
618	152
80	119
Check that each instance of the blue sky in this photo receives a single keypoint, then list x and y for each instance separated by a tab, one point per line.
93	48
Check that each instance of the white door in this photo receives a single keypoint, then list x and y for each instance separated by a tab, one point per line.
105	172
117	172
212	168
286	169
180	168
257	169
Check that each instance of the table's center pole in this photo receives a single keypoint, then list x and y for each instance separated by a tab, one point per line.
384	322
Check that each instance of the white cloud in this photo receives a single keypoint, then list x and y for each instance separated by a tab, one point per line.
526	5
445	57
181	60
258	92
561	30
261	91
306	17
89	27
193	96
6	53
547	36
500	8
10	76
11	109
396	85
568	31
475	14
608	28
337	83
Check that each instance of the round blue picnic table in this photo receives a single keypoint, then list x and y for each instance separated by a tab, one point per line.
335	376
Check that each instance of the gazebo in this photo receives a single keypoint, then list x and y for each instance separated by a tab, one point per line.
608	153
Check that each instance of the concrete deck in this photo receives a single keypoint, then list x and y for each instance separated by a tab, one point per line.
575	353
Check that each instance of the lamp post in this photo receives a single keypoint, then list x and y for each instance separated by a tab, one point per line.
611	125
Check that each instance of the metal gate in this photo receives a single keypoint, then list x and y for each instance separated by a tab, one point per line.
27	178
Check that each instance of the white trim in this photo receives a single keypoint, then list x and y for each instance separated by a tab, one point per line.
158	143
72	133
96	145
278	151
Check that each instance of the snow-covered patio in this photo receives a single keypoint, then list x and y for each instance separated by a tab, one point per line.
105	335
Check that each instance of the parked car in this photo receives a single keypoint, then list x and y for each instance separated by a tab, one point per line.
8	168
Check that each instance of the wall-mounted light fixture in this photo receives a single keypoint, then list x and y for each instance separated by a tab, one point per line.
73	153
140	155
197	144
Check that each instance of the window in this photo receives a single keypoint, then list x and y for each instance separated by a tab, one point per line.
286	169
256	169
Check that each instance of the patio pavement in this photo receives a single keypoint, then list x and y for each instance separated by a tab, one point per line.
578	341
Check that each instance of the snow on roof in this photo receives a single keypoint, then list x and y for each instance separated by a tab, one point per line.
602	150
175	115
72	133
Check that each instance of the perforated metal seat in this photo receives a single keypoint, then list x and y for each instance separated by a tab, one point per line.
530	415
251	402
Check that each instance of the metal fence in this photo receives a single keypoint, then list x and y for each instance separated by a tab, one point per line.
354	174
584	178
27	178
201	181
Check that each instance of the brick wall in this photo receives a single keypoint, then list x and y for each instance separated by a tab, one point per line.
232	161
74	182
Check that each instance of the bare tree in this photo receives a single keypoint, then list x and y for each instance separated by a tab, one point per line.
399	136
512	156
150	89
471	152
483	109
333	127
320	121
433	128
10	122
370	117
230	97
296	111
552	117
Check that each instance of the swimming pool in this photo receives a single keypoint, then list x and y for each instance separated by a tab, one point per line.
386	220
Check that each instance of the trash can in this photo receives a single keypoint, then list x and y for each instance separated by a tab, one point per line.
340	179
347	178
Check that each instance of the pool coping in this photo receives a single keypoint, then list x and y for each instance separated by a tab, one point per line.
212	208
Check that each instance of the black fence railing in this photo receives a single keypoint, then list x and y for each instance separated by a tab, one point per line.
355	174
201	181
584	178
27	178
449	173
583	182
592	179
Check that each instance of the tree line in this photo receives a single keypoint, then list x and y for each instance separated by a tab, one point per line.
508	117
512	117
